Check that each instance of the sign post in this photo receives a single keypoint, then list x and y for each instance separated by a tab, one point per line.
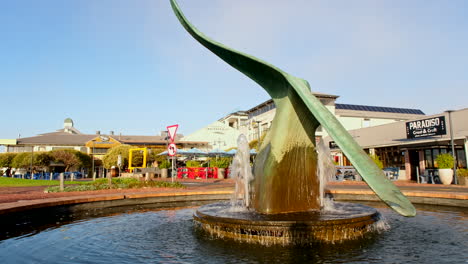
172	148
119	162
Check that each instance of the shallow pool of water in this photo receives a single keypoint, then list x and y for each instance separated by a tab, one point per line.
435	235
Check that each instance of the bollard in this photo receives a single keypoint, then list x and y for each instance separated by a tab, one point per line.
147	176
72	176
109	180
61	182
51	177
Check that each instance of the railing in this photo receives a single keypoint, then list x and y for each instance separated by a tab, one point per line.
430	176
347	173
46	175
199	173
392	173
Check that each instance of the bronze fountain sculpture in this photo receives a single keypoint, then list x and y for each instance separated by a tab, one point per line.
285	170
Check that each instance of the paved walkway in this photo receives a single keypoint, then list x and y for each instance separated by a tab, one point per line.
23	198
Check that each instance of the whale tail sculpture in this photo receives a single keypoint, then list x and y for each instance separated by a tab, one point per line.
285	167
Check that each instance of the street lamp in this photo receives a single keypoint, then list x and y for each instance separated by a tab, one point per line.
92	162
218	142
32	156
453	146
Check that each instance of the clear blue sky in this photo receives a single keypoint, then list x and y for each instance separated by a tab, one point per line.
128	66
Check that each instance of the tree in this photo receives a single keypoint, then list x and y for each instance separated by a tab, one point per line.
153	155
6	159
85	159
21	160
69	157
110	159
42	159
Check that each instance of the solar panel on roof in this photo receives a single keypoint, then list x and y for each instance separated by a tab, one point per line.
379	109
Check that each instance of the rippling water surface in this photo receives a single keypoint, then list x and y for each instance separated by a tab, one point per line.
435	235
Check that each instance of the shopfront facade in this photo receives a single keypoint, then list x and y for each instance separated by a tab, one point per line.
412	146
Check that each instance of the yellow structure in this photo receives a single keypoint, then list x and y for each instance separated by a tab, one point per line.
130	157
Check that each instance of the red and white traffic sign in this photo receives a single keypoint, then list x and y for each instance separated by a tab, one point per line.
172	130
172	149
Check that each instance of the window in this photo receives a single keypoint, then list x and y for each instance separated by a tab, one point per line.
429	161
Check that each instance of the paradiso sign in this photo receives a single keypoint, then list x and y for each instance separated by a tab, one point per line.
427	127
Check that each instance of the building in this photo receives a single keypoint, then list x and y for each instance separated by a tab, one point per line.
413	145
94	144
257	121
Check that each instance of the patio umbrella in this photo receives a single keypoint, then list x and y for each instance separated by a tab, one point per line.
232	152
253	152
194	152
164	153
217	152
179	152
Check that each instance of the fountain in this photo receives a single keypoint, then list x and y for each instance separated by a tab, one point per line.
284	205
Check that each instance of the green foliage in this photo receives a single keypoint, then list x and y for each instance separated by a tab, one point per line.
377	161
223	162
6	159
21	160
165	164
42	159
153	155
444	161
117	183
462	172
193	164
85	159
255	144
111	157
69	157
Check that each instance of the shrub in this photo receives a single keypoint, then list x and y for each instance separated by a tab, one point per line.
377	161
444	161
6	159
21	160
120	183
165	164
111	157
462	172
192	164
221	162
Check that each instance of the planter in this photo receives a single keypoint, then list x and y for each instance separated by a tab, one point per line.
221	173
463	181
163	173
446	176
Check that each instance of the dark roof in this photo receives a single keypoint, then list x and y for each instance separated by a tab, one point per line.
379	109
57	138
129	139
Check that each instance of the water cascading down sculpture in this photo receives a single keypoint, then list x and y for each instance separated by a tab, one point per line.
285	170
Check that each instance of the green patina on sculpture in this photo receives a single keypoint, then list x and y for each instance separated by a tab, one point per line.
286	166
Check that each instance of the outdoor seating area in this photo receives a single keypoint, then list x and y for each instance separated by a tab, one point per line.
392	173
347	173
430	176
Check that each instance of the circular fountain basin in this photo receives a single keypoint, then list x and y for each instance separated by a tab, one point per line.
346	221
163	233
